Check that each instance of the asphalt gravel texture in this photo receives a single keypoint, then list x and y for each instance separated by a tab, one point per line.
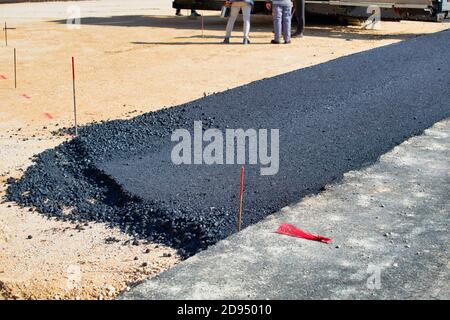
332	118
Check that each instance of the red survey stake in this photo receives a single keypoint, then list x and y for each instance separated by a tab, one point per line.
241	198
74	97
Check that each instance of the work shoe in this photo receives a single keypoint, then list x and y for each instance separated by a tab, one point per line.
246	41
297	35
226	40
194	15
275	42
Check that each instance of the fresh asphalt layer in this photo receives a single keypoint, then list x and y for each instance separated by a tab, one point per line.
390	229
332	118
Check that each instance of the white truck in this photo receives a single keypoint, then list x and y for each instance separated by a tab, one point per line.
434	10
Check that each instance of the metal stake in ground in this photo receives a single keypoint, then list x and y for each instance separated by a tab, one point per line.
6	34
74	97
15	69
203	24
241	197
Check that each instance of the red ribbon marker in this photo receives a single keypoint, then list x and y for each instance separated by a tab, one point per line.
48	115
290	230
26	96
3	77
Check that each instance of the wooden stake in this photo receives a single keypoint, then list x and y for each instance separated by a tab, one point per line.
74	96
241	197
15	69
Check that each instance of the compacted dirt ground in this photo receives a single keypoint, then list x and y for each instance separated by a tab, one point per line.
131	57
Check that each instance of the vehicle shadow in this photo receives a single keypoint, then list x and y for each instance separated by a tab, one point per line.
192	43
316	27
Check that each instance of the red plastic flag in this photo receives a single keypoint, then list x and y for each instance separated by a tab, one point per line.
48	115
290	230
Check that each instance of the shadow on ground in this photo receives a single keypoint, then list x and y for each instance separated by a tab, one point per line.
317	27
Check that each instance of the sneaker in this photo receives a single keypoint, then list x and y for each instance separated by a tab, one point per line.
179	14
193	16
246	41
226	40
287	42
297	35
275	42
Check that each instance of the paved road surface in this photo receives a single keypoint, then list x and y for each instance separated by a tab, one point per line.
332	118
389	223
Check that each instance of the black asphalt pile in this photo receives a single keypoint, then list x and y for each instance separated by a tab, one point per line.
332	118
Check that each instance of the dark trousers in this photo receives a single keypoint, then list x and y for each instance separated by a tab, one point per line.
300	15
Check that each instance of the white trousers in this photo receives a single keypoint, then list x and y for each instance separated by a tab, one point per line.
246	11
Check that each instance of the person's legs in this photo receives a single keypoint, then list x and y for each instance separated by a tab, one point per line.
277	16
234	11
178	13
246	14
287	24
300	15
